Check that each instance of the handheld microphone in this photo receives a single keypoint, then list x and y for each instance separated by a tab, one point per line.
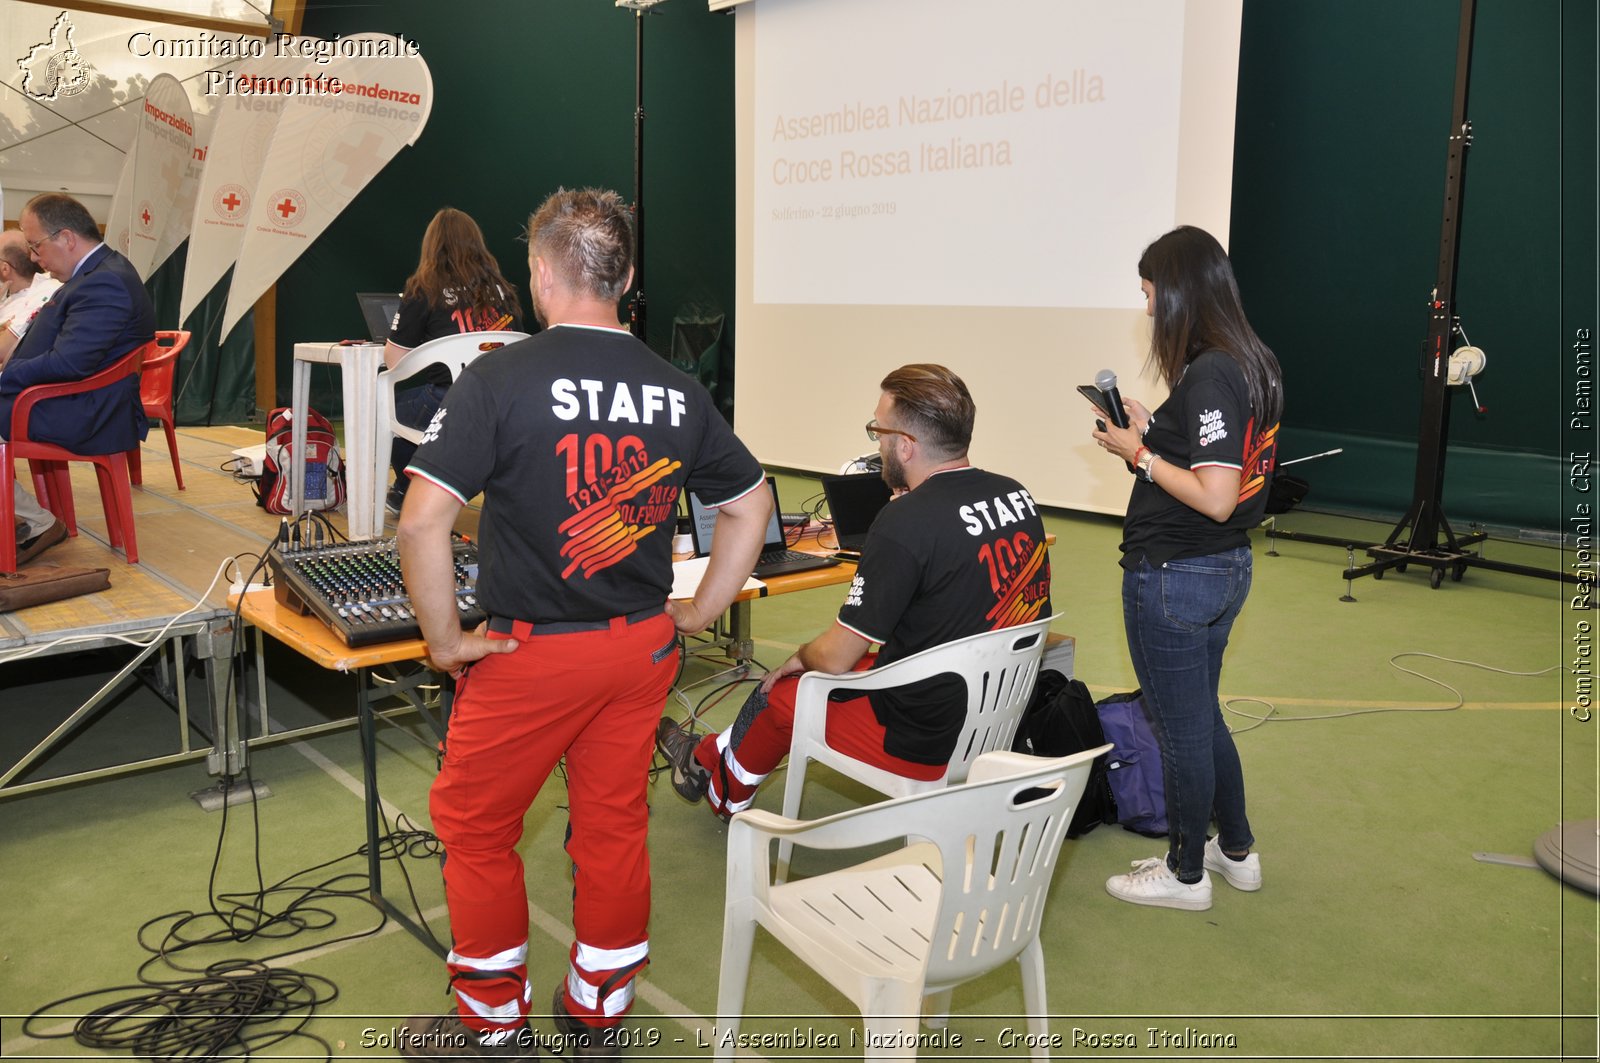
1106	381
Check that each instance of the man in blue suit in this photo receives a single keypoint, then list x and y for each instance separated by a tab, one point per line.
100	313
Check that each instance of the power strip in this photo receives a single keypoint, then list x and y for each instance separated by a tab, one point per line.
252	460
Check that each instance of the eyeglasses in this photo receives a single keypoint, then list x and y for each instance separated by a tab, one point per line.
34	245
874	430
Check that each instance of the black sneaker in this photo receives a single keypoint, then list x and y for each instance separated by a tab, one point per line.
578	1039
677	745
393	501
447	1037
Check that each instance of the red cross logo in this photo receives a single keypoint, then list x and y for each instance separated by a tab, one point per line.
290	207
230	201
146	216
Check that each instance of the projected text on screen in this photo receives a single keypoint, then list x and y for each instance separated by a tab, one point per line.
1009	178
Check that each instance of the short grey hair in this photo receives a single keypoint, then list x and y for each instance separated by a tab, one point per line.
586	236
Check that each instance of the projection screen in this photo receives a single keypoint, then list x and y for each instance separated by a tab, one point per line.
972	184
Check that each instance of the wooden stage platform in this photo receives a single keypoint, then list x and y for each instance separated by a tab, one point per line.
172	606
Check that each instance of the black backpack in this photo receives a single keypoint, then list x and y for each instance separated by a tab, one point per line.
1061	719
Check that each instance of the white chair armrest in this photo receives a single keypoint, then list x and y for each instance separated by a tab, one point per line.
999	763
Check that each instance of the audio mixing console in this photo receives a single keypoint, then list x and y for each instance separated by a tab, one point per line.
357	590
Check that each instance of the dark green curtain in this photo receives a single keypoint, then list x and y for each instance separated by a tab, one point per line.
531	96
215	381
1343	118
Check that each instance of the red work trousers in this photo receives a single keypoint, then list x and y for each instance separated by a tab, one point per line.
594	697
853	729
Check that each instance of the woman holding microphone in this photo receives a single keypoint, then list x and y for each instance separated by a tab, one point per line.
1202	463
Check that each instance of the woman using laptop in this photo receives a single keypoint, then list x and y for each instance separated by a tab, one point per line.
456	288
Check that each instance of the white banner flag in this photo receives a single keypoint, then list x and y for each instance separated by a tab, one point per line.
245	122
152	174
325	150
119	219
182	214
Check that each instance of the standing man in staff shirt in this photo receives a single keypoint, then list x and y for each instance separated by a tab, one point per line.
580	440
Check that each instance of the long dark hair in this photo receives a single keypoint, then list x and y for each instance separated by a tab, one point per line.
455	256
1197	309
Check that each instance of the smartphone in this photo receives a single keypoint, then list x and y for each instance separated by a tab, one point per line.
1096	396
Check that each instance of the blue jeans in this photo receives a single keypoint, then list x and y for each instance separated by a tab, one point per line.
1178	618
414	409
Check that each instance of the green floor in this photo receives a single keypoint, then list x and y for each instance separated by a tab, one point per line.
1377	935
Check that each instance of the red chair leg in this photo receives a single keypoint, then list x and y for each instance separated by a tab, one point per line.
52	482
123	494
108	499
135	466
8	534
39	472
61	493
172	447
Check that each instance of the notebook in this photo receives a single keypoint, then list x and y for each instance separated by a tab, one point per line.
853	503
776	557
379	310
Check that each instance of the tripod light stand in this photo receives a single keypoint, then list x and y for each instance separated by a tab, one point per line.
636	305
1423	536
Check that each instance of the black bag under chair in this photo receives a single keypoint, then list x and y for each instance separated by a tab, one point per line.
1060	720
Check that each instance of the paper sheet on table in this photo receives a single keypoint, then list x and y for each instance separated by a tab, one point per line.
686	576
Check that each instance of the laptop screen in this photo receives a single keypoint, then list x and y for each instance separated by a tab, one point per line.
854	503
379	310
703	523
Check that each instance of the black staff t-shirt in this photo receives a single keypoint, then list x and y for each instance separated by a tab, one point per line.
580	440
1205	423
418	321
961	554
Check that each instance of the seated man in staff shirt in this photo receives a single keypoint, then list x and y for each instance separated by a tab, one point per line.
962	551
99	314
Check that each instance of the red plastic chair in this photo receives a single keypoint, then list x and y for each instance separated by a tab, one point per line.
48	465
155	393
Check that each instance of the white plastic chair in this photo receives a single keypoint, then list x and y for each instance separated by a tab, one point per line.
999	668
453	352
897	933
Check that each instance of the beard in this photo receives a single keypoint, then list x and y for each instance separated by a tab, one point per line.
894	473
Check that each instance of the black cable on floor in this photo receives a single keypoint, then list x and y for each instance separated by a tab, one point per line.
236	1008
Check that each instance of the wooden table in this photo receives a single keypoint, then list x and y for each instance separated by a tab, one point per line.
741	644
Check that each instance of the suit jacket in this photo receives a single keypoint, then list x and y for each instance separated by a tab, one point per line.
93	319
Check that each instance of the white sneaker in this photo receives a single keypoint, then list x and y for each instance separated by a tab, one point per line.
1152	883
1240	874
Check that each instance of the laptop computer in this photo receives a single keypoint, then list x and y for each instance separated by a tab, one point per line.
854	502
379	310
776	557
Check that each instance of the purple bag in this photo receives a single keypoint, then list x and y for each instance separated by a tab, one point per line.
1133	767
